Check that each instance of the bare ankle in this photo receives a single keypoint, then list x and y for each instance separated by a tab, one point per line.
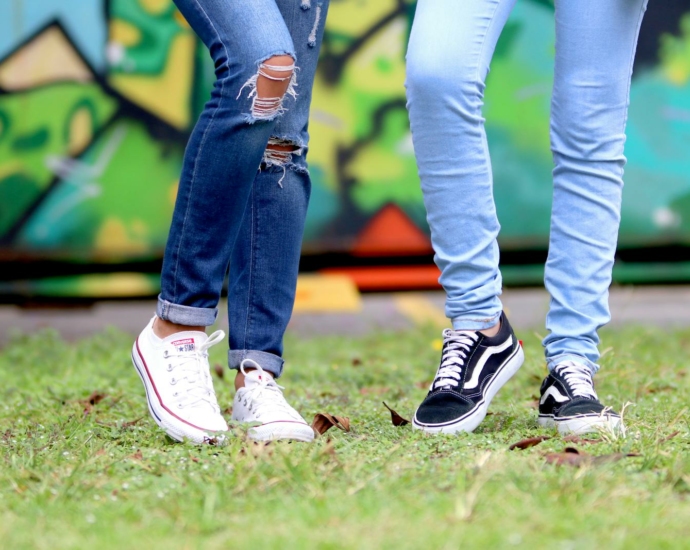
163	328
239	378
492	331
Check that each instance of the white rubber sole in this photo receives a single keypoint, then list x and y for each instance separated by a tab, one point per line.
578	425
172	425
472	419
275	431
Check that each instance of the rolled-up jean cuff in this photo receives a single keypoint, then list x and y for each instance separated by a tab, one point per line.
469	323
268	361
186	315
552	362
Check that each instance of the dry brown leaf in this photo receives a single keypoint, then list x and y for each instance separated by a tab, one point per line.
396	419
423	385
670	436
356	362
132	422
533	404
94	399
136	456
219	370
570	456
529	442
323	422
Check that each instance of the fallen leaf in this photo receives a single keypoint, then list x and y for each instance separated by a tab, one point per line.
396	419
570	456
670	437
228	411
534	404
219	370
132	422
356	362
324	422
93	399
529	442
573	457
137	455
423	385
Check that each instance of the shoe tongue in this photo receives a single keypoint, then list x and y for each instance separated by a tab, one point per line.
256	378
184	342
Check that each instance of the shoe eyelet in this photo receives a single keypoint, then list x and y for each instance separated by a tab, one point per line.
176	394
165	353
179	405
173	381
170	368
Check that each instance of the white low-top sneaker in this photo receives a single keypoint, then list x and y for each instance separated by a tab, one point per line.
179	389
261	401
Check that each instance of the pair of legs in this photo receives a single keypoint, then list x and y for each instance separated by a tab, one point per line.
450	50
244	189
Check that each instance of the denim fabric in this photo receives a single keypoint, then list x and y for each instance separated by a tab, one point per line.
450	50
236	209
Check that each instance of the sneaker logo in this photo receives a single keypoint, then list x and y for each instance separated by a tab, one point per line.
553	392
474	381
184	345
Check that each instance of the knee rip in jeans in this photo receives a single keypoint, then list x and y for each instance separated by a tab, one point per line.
269	86
279	153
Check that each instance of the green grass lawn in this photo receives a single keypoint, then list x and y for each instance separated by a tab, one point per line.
107	477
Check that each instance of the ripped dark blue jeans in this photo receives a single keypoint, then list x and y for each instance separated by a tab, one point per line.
241	204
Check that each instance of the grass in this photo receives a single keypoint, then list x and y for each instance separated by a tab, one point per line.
107	477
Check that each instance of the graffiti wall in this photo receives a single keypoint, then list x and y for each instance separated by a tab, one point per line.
97	99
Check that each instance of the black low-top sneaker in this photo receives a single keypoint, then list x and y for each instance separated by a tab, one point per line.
473	368
569	402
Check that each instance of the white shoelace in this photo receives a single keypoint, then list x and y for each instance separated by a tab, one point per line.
266	397
579	378
192	371
456	344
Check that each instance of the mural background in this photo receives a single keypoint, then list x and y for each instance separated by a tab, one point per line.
97	99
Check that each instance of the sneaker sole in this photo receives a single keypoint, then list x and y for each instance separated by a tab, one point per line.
472	419
578	425
164	418
275	431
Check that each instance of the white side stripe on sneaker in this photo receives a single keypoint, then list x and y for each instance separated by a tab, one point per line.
553	392
474	381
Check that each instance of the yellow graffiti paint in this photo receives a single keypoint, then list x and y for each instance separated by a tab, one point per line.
155	7
172	194
114	237
124	33
80	131
354	18
181	20
46	59
116	285
419	309
327	293
166	95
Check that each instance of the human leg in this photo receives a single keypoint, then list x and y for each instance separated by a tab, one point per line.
254	60
595	49
448	59
265	260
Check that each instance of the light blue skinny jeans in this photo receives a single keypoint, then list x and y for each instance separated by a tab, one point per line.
451	47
